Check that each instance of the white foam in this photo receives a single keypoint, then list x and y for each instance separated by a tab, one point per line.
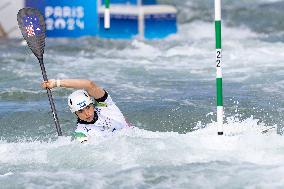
6	174
242	141
140	49
136	153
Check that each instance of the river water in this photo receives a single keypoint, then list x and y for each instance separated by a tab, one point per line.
166	88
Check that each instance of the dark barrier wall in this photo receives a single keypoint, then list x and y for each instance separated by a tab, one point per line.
149	2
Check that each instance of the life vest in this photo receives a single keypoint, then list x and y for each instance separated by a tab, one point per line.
109	120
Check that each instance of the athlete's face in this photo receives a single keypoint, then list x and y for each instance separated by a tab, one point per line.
86	114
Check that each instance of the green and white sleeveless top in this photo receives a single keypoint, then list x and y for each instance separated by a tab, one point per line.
108	119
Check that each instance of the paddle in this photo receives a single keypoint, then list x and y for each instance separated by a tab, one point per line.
32	26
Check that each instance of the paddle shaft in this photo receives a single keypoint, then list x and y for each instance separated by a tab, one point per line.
50	98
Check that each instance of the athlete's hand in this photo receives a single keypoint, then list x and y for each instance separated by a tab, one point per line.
48	84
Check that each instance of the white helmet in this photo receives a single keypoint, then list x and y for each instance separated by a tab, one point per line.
79	100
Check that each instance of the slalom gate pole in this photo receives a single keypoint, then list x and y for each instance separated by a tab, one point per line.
219	90
107	15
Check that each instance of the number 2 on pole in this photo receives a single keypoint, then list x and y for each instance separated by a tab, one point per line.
218	58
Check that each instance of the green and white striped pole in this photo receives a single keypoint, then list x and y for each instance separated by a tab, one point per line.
107	15
218	67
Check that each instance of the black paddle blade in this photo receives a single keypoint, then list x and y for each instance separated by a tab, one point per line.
32	26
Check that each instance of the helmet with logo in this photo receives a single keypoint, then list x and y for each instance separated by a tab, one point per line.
79	100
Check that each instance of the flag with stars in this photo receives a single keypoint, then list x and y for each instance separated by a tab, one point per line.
32	25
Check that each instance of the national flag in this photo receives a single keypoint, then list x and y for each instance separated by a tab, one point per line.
32	25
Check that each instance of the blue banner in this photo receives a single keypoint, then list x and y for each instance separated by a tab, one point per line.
68	18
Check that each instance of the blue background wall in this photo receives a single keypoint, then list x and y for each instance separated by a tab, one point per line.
154	23
122	26
75	18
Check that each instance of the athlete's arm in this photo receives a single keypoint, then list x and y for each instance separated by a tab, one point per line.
91	87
